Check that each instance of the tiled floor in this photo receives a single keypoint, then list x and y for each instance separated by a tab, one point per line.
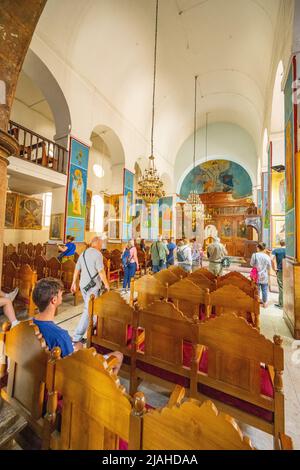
271	323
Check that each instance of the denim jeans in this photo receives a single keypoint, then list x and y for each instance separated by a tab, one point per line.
129	272
156	268
264	292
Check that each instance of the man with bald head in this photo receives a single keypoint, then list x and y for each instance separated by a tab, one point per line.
92	275
215	253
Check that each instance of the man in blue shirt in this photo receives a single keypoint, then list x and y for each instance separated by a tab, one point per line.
278	257
170	257
47	295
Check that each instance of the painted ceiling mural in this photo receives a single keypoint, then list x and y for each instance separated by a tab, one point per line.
218	176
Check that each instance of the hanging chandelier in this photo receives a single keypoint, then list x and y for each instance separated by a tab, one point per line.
194	198
150	186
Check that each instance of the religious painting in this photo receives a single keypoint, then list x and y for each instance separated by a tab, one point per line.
289	164
154	228
290	233
106	213
278	226
166	216
146	222
226	229
89	195
77	188
136	221
77	192
217	176
241	229
29	213
265	208
10	210
56	227
278	196
114	209
114	229
76	228
128	204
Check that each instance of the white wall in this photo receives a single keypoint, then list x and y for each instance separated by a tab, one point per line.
103	183
17	236
225	141
31	119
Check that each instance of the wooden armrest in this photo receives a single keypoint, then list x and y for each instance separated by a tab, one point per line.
177	396
286	442
272	373
112	361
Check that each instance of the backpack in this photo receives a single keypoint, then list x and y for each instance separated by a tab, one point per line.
180	256
125	258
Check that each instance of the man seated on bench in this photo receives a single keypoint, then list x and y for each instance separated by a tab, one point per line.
47	295
6	305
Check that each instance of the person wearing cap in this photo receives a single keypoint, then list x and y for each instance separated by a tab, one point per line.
92	275
215	253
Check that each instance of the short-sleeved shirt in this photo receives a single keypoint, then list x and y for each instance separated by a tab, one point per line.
159	251
263	264
216	252
94	261
54	336
279	253
71	248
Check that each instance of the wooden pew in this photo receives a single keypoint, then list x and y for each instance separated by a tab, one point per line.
40	265
39	250
26	280
231	353
9	277
148	289
204	272
96	410
16	259
245	286
178	271
166	277
191	426
28	355
232	299
26	259
54	268
202	280
115	329
188	298
161	361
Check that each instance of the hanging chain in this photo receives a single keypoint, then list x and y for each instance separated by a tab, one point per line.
206	137
154	76
195	121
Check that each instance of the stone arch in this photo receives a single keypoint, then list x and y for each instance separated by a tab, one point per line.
39	73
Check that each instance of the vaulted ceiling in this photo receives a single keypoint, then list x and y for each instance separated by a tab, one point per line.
229	44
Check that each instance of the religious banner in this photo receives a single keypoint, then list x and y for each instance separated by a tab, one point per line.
76	190
137	219
114	222
166	216
266	208
154	226
289	165
128	204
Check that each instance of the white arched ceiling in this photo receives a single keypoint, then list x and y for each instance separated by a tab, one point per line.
108	45
113	143
277	117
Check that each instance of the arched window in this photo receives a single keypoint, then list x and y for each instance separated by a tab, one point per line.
97	214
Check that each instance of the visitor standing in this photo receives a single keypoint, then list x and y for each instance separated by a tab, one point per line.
92	275
159	253
216	252
262	262
279	255
130	264
171	247
184	255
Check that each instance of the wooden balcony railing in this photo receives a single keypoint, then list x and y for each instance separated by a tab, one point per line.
37	149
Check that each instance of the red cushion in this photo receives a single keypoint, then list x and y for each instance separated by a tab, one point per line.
141	347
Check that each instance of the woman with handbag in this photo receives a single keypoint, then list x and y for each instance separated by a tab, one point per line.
261	263
130	264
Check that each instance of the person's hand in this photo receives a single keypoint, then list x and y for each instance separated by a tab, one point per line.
73	287
107	287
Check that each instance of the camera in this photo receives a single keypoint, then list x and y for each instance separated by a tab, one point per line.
89	286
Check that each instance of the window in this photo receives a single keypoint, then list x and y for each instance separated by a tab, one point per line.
98	170
97	214
47	204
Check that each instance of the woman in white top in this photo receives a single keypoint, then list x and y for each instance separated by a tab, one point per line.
183	255
262	262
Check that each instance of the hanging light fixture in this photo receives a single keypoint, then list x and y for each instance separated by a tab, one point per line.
194	198
150	186
208	212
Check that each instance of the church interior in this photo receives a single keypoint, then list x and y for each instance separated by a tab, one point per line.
133	127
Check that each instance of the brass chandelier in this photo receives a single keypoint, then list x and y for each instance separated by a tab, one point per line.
150	186
193	197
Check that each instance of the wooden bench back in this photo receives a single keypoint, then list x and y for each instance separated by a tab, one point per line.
40	264
191	426
148	289
202	280
178	271
54	268
165	330
236	351
26	280
238	282
231	299
96	410
28	355
205	272
9	276
113	317
15	258
67	270
165	276
188	297
237	275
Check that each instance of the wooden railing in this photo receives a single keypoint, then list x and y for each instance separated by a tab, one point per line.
39	150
